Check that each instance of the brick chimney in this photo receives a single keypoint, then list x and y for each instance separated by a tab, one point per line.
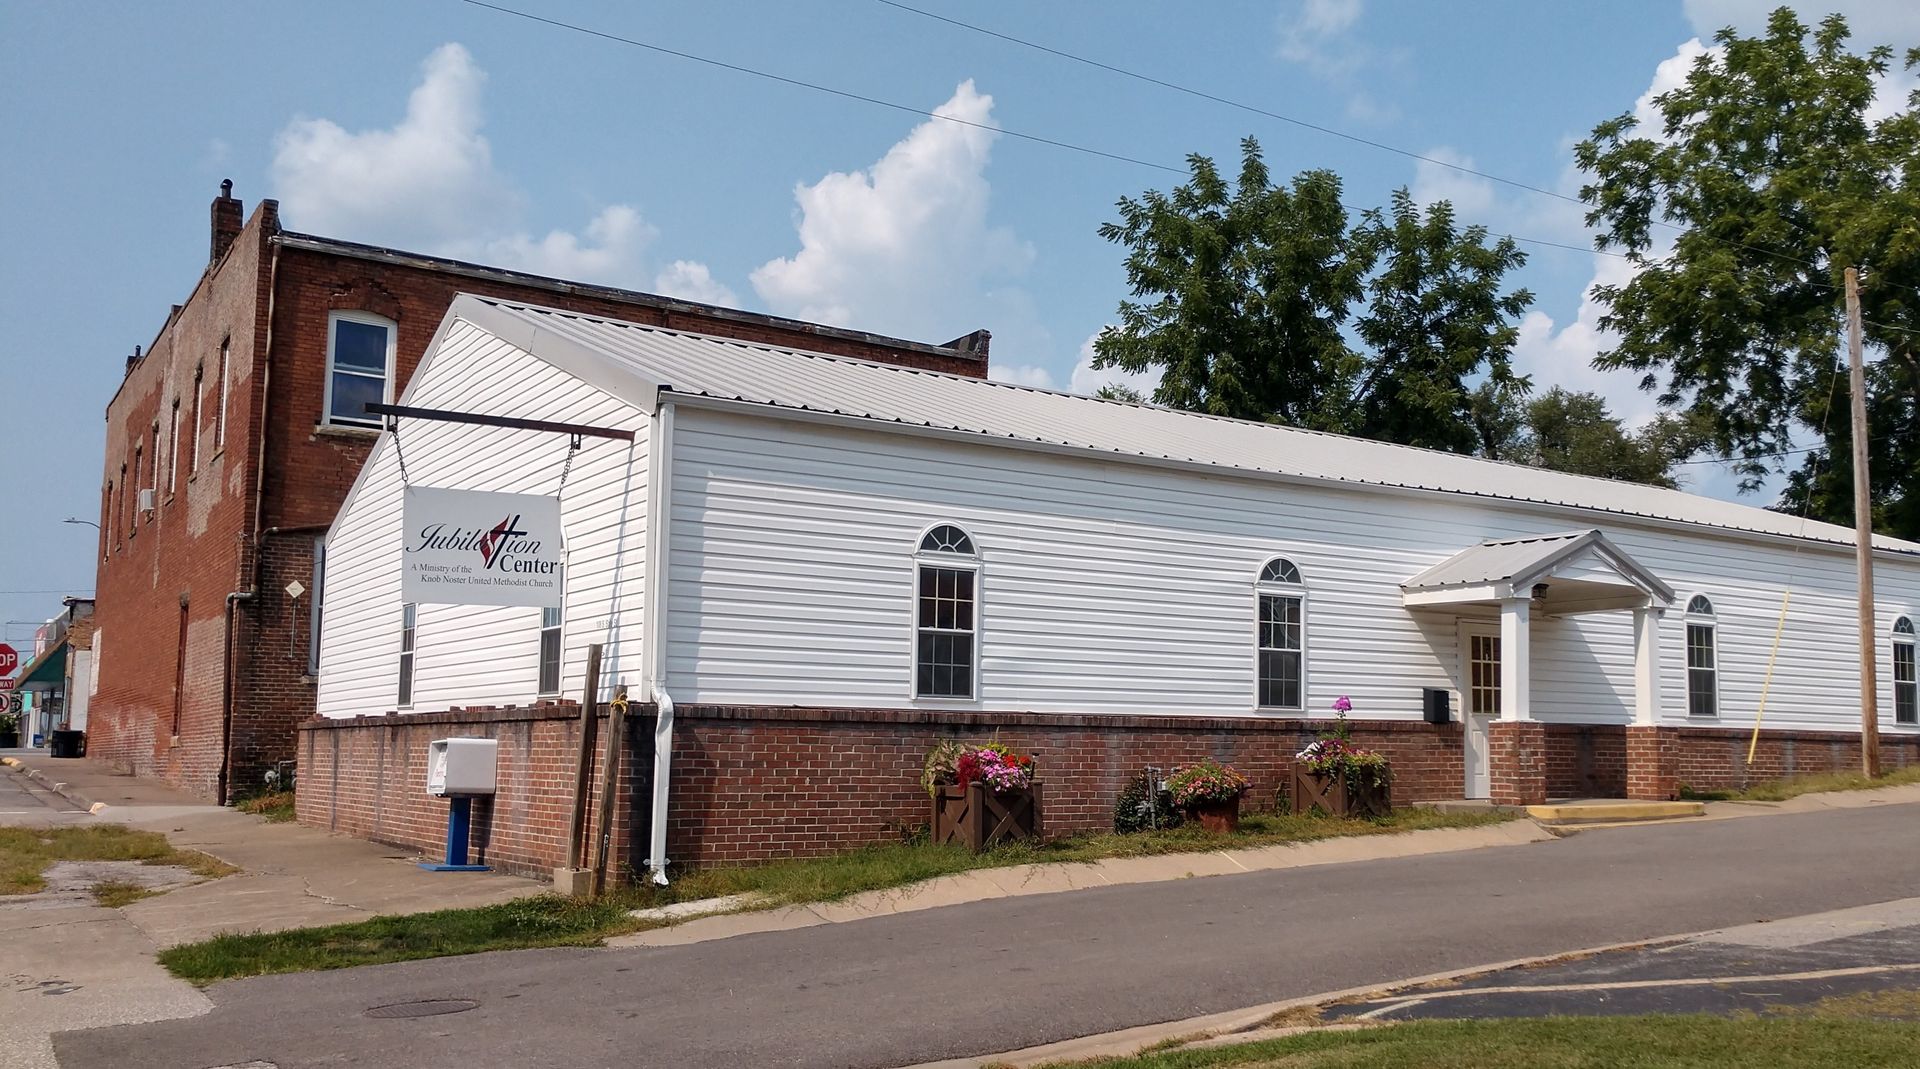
226	221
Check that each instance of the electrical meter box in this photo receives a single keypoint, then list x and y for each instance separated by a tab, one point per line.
461	766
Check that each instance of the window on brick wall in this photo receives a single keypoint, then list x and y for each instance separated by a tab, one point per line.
946	620
407	635
106	520
121	507
133	518
550	630
1906	684
360	359
220	416
153	463
173	459
199	387
1281	636
314	608
1703	658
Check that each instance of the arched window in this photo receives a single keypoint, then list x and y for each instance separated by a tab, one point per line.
946	614
1906	685
1703	658
1280	668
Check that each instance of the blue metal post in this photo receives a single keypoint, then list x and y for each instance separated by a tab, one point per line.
459	830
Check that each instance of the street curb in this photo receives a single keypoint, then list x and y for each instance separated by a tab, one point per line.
1244	1025
59	787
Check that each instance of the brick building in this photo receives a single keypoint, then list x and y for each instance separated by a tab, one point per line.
233	440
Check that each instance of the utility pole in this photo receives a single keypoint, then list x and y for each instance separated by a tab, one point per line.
1863	535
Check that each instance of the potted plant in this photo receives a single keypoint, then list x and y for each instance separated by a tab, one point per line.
981	794
1338	778
1209	792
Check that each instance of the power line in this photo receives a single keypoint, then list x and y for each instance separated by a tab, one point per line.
1356	139
912	110
1228	101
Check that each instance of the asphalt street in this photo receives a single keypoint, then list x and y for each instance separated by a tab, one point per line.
23	803
1010	973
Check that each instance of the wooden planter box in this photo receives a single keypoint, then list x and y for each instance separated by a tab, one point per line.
1331	795
978	818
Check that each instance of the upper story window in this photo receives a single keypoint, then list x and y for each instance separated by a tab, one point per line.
173	460
1280	668
199	387
1703	658
1906	684
946	614
220	416
360	348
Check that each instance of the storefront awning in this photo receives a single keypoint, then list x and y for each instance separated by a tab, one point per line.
47	672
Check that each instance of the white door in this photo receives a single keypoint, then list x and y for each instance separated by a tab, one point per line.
1480	691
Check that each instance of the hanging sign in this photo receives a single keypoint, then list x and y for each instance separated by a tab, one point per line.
466	547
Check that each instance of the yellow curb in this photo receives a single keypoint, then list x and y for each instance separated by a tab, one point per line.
10	762
1583	812
97	807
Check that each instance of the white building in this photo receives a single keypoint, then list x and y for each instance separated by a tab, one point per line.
887	554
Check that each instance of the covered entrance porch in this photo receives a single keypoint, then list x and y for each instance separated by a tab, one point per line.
1495	593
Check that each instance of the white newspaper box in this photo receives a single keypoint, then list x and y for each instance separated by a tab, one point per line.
457	767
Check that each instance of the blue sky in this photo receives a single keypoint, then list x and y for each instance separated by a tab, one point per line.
442	127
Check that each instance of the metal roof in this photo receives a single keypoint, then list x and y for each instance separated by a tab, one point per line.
1521	561
691	364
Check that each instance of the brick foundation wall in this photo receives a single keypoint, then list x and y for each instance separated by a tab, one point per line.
1586	761
1652	764
1517	760
366	777
750	784
1716	758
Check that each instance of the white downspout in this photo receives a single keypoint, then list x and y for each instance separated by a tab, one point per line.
654	639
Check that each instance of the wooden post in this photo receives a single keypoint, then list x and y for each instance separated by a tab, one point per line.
583	759
1863	535
609	782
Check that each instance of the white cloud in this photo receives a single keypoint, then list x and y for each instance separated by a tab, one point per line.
1088	379
1315	35
1021	375
1671	74
428	183
905	246
692	281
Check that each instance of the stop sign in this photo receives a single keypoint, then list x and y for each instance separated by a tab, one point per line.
9	659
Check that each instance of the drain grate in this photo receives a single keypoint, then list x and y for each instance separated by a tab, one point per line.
432	1007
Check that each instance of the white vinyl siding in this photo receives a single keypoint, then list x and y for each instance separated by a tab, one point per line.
474	654
1123	588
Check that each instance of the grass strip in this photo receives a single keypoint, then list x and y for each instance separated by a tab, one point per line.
116	893
553	920
1649	1042
26	853
275	806
1782	789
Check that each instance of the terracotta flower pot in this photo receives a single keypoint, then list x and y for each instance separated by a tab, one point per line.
1217	817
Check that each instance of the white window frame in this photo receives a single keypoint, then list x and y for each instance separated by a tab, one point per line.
1908	642
199	391
559	630
409	652
956	561
220	419
386	391
173	453
1711	621
1263	589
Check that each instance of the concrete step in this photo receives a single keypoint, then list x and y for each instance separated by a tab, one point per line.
1612	811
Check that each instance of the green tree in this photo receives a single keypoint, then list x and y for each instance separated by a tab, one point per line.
1574	432
1250	299
1771	177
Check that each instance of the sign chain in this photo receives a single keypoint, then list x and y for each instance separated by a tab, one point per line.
566	467
393	425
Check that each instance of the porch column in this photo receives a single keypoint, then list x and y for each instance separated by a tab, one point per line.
1517	743
1516	662
1653	756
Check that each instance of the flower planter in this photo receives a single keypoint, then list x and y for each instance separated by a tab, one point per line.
978	818
1331	795
1217	817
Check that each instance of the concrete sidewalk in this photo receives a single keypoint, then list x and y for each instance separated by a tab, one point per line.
81	966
